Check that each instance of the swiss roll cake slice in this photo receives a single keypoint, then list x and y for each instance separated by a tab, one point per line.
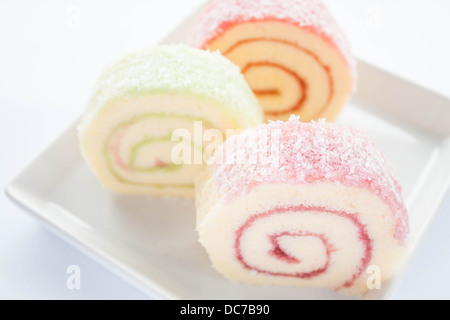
292	52
302	204
127	132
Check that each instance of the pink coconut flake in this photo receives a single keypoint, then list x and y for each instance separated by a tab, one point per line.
311	15
297	153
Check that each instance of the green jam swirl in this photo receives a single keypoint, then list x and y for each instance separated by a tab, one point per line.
146	141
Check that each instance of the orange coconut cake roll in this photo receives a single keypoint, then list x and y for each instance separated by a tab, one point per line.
301	204
291	52
127	132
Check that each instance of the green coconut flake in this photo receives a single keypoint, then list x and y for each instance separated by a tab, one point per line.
177	69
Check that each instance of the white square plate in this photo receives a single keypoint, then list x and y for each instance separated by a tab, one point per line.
152	241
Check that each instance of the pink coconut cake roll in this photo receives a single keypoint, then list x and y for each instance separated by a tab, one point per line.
302	204
292	53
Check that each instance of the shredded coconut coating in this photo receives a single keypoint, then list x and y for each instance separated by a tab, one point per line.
176	69
297	153
311	15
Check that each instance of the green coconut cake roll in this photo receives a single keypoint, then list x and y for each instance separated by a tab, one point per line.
139	102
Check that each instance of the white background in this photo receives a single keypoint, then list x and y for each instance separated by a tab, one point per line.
50	55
